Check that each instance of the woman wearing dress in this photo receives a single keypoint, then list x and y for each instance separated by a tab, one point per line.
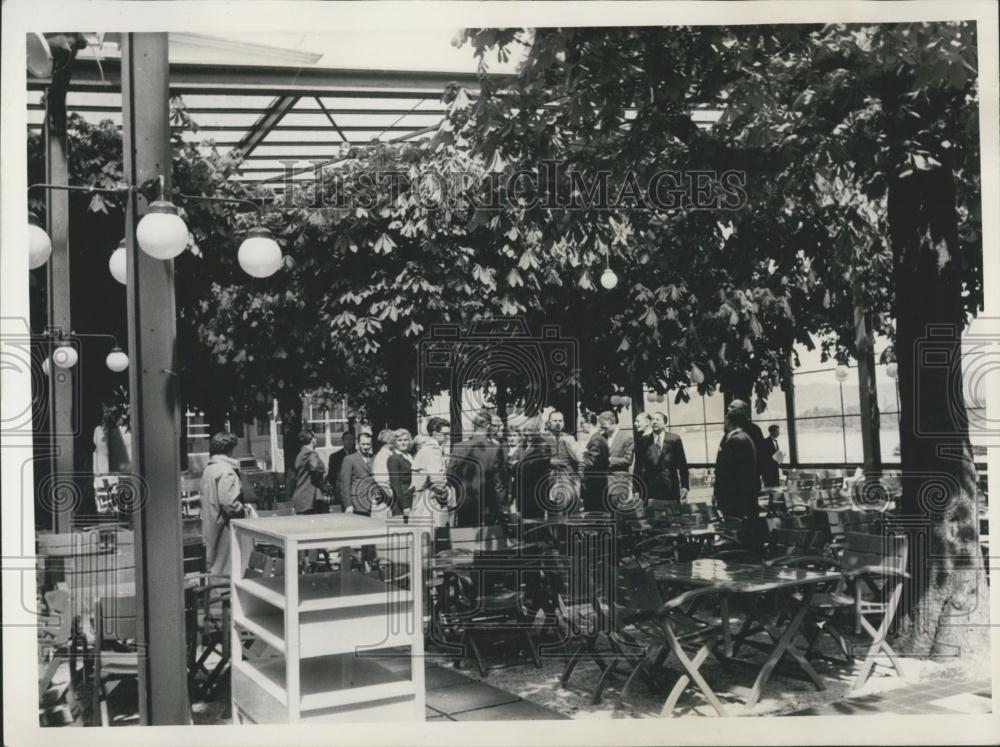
400	467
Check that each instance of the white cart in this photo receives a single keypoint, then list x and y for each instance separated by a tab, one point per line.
341	645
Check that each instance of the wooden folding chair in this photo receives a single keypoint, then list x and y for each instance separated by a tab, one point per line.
207	615
55	638
477	603
669	630
117	629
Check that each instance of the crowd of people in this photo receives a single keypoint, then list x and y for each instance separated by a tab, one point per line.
532	469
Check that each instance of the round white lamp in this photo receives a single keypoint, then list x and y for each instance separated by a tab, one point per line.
608	279
65	356
116	263
660	399
161	233
651	397
259	255
39	244
892	369
697	375
841	372
615	400
117	360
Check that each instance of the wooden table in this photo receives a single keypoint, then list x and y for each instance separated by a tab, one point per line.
752	583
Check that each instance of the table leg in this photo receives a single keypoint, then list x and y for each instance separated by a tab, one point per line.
727	634
783	645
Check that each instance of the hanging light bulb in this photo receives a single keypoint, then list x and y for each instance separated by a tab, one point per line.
660	398
117	263
697	375
651	397
615	400
259	254
65	356
841	373
608	279
892	369
117	360
39	244
162	233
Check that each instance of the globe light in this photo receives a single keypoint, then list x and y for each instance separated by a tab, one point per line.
46	368
65	356
259	255
892	369
660	398
608	279
117	360
697	375
39	244
161	233
116	263
841	372
615	400
651	397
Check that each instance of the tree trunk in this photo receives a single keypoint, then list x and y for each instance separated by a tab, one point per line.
290	410
398	408
636	394
945	607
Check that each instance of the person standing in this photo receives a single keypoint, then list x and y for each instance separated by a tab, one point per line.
771	458
336	461
564	465
621	447
595	466
400	466
478	469
429	475
356	483
752	430
308	496
642	427
221	501
665	474
736	477
532	475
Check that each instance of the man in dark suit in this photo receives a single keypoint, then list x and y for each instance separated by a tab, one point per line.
595	466
531	481
641	432
770	471
737	477
334	464
752	430
621	448
478	469
357	485
666	468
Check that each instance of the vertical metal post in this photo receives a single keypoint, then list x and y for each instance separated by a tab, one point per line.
793	441
870	438
155	401
57	213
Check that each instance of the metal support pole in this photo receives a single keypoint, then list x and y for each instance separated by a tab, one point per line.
57	213
155	400
870	438
793	441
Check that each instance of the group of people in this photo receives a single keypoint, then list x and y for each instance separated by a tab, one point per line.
533	470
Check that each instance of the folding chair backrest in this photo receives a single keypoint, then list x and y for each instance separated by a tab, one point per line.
57	622
885	550
636	589
118	618
475	539
795	542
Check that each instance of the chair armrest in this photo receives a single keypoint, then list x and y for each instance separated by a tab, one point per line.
876	570
682	599
792	561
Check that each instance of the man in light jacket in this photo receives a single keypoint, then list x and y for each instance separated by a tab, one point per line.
621	447
431	496
221	501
